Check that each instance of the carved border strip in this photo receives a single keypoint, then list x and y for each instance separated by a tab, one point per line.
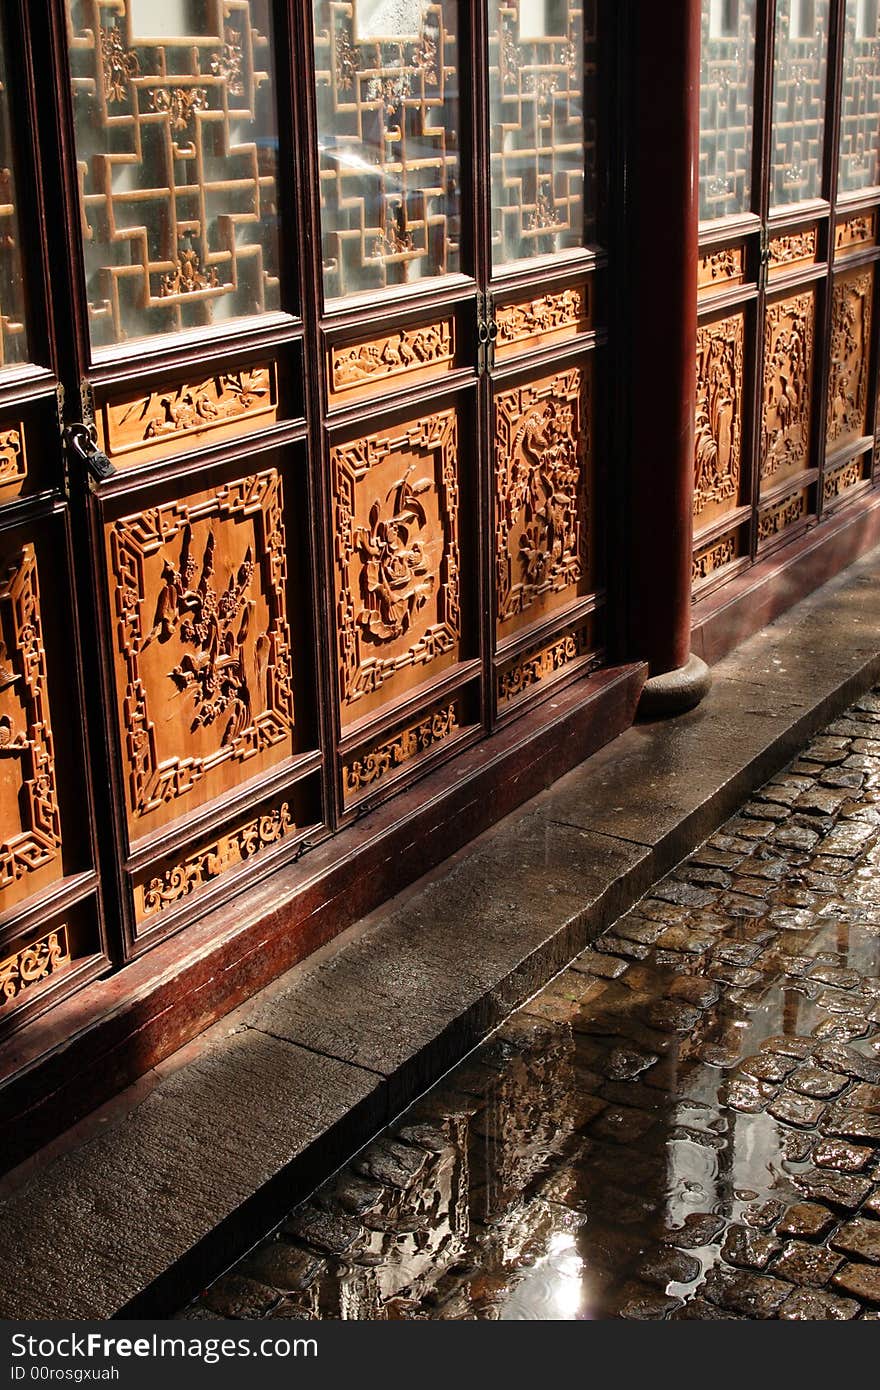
32	964
841	479
40	838
541	663
161	420
396	354
717	269
855	232
793	248
565	311
714	556
434	435
13	456
171	886
784	514
376	764
132	540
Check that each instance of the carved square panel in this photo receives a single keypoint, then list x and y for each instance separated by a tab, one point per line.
396	504
30	825
204	671
718	433
789	338
850	357
543	460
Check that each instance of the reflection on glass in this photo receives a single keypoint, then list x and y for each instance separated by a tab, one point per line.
542	80
860	105
13	334
727	80
386	73
799	79
176	144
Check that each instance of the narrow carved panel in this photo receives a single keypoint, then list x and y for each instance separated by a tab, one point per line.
855	232
794	248
714	556
850	356
721	269
428	349
32	965
173	885
396	501
542	494
13	459
204	662
541	664
783	514
789	335
30	823
377	764
551	317
717	445
841	479
135	429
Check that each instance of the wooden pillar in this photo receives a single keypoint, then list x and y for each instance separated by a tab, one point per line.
662	215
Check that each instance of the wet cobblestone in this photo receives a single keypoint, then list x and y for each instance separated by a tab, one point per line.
684	1125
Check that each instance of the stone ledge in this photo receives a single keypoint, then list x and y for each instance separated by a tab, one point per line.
145	1204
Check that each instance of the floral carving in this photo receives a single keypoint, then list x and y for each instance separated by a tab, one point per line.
541	502
794	247
720	356
227	64
372	767
548	314
188	276
718	267
118	64
395	581
32	964
179	104
178	882
398	353
788	366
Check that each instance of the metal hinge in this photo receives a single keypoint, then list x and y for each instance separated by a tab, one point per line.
764	266
487	332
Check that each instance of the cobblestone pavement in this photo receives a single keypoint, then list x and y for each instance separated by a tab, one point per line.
684	1124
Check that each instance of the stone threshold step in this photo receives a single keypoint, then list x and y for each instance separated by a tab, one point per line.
149	1199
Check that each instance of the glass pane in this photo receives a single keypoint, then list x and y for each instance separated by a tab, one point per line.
860	108
799	79
13	333
727	82
386	74
542	109
176	144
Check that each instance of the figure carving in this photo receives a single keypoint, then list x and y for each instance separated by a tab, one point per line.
718	412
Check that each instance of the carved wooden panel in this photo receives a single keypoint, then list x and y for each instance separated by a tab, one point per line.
852	233
13	330
789	337
30	824
544	663
848	475
549	318
793	249
850	356
169	885
176	141
396	503
368	367
542	105
721	269
386	78
543	458
382	760
718	435
13	457
204	670
186	414
714	555
778	517
32	965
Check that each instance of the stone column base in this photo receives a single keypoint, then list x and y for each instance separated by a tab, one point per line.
675	691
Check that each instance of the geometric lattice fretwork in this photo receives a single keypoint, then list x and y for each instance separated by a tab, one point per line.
542	96
176	153
799	79
386	77
727	81
860	104
13	336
